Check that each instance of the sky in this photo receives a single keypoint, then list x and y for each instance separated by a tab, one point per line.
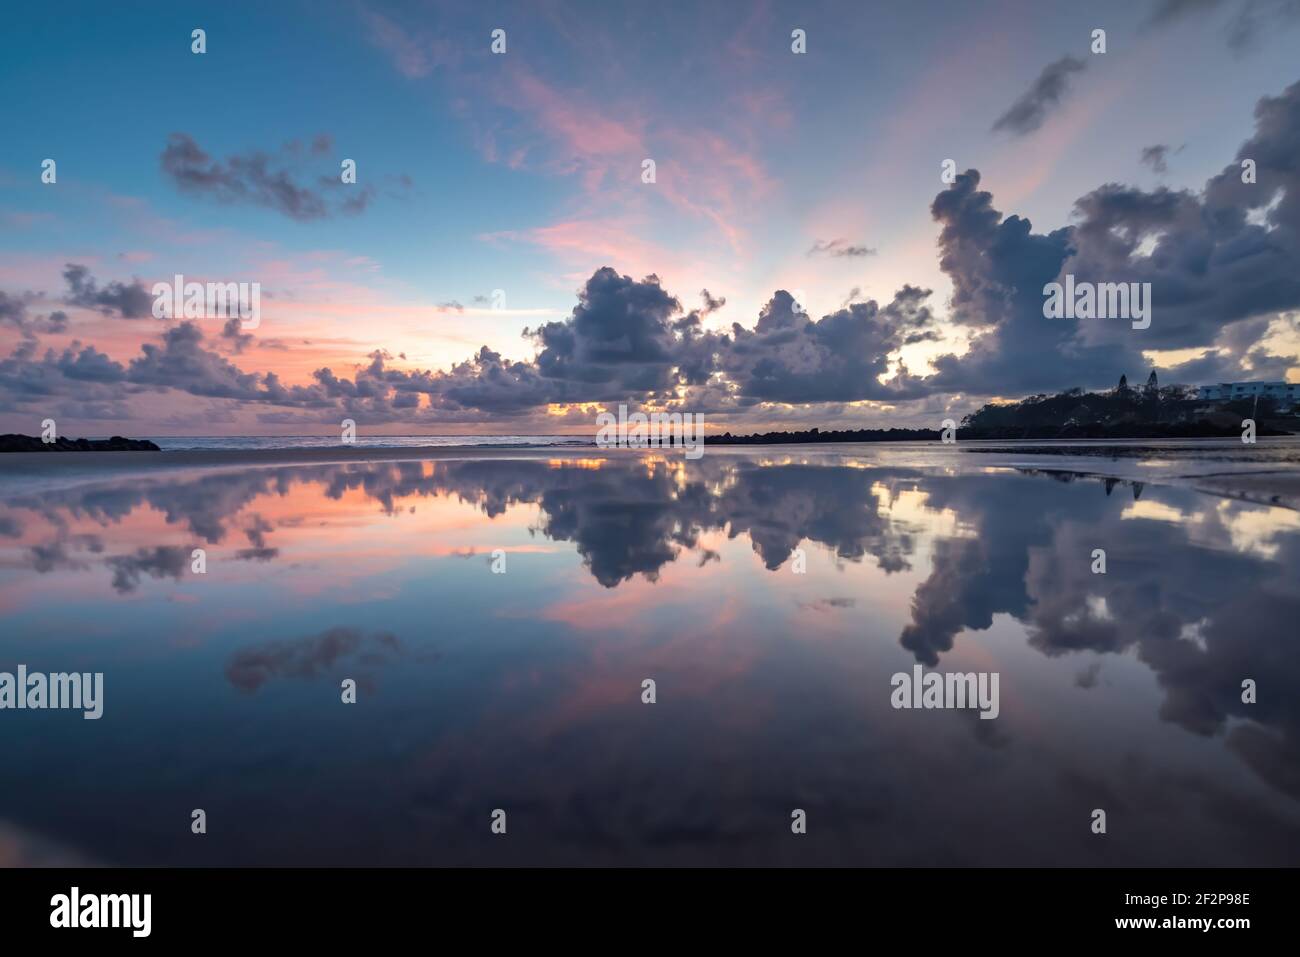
505	263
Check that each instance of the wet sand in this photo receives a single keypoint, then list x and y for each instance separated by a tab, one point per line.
773	594
1266	473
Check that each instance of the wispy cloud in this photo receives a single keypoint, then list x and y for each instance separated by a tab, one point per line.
840	249
280	181
1030	111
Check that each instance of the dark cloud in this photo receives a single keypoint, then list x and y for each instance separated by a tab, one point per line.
1030	111
1220	263
1156	157
621	342
710	303
13	309
178	360
55	323
130	301
1248	21
276	182
79	374
1214	259
839	358
998	268
14	312
235	338
182	363
87	364
619	332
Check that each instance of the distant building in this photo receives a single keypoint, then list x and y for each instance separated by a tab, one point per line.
1286	394
1123	384
1152	384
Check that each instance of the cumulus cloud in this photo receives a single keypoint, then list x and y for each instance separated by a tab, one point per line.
14	312
627	340
622	340
1220	262
839	358
1215	259
998	267
13	309
181	362
1030	111
128	300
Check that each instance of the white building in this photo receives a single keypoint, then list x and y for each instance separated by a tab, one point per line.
1285	393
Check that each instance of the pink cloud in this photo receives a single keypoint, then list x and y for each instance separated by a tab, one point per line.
578	129
586	241
412	55
699	170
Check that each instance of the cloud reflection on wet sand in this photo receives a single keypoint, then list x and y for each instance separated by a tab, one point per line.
481	690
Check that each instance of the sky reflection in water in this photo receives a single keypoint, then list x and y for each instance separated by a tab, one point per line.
522	690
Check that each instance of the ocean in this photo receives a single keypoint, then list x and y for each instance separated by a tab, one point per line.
243	443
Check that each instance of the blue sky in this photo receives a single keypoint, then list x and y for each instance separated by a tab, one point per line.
522	173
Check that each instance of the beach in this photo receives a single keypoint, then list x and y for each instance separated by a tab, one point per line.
497	613
1267	472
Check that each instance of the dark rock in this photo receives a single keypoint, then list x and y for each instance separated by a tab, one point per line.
28	443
